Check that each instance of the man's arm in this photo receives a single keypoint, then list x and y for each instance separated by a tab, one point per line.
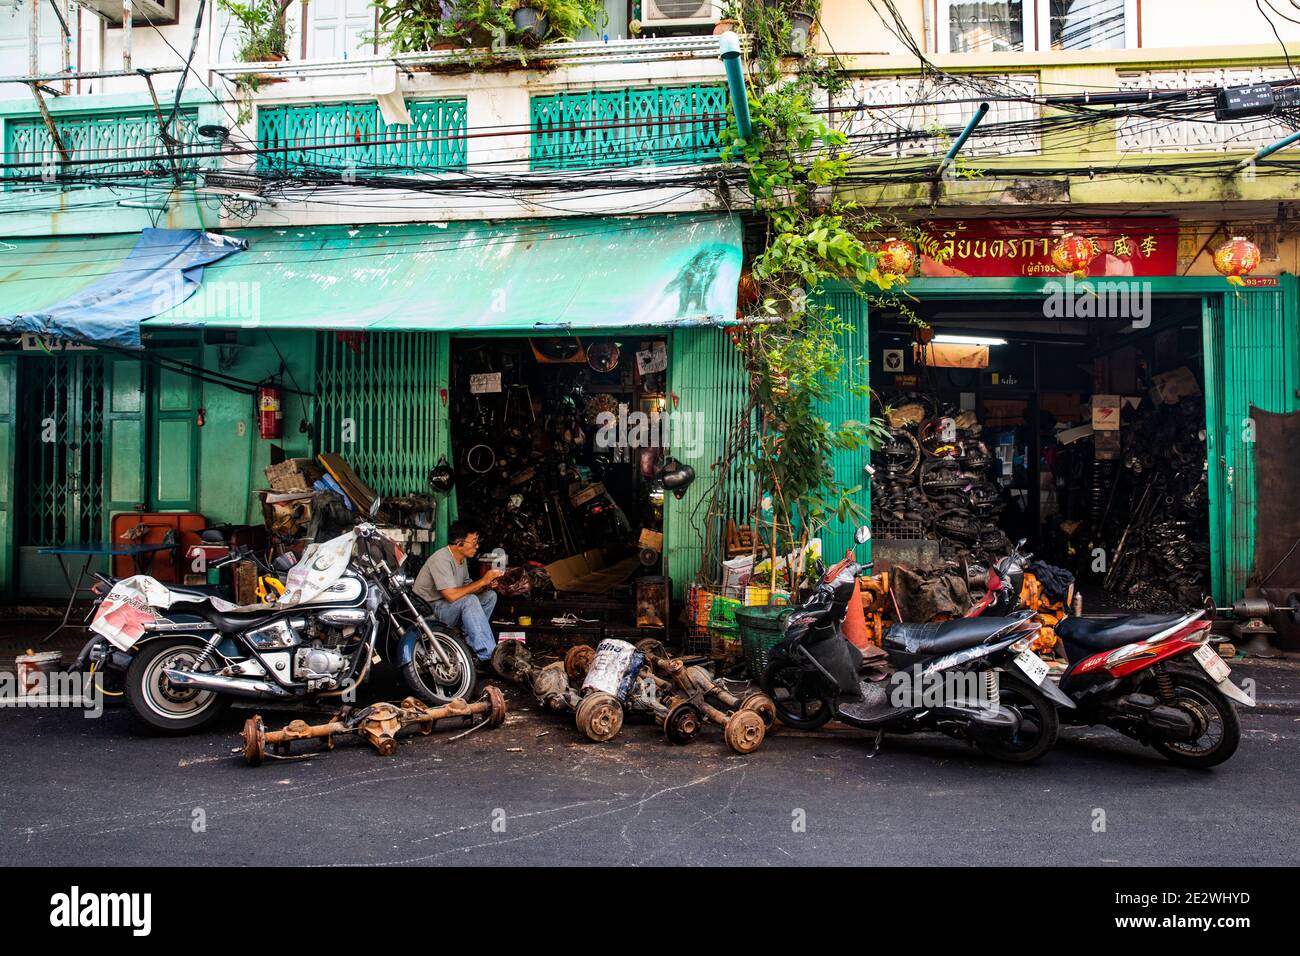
452	595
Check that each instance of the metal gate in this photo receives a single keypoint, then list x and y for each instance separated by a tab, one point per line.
377	404
61	444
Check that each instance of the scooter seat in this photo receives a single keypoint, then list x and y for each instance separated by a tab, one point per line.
1091	635
943	637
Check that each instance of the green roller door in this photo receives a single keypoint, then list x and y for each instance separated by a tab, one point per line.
849	466
378	402
1250	359
709	391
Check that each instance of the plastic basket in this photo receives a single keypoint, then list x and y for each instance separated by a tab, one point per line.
761	629
722	612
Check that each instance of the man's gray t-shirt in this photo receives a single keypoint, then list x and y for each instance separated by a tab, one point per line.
440	573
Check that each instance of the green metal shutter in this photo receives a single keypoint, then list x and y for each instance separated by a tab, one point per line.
8	465
849	467
1251	359
377	407
707	380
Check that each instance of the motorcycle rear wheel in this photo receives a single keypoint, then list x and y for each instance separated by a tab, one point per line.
156	703
421	679
1039	723
799	697
1208	700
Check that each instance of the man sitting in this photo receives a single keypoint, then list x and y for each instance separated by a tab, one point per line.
457	601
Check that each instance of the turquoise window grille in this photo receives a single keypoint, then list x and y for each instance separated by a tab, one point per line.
353	137
658	125
126	144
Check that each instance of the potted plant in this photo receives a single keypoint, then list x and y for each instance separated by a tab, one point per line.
263	29
536	20
531	21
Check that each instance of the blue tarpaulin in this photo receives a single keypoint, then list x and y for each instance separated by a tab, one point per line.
162	270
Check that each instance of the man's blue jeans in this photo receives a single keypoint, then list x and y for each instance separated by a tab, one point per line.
473	615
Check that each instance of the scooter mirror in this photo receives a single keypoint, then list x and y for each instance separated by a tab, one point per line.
374	506
862	535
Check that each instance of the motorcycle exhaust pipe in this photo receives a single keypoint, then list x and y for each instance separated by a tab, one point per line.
225	685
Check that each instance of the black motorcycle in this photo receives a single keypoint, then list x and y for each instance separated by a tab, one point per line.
975	679
185	667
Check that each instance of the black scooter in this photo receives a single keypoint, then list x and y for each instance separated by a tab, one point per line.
975	679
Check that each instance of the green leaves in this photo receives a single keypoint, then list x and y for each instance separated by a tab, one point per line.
796	365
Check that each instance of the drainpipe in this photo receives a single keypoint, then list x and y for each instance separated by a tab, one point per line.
960	141
33	41
1267	151
126	34
729	53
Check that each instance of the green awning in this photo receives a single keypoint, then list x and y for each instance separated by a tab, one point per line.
37	272
534	274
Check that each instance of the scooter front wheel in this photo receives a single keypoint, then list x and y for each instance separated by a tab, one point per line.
800	697
1038	727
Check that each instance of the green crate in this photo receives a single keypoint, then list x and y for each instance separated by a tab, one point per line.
722	612
761	629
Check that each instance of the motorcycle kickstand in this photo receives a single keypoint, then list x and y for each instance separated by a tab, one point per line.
875	747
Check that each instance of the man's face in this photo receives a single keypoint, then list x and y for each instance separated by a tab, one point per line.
469	547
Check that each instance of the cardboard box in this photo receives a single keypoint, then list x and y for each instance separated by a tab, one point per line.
591	572
579	495
1105	412
293	474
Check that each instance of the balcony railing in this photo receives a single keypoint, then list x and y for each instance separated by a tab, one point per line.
353	138
650	126
102	146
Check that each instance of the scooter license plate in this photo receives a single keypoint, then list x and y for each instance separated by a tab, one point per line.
1209	659
1034	667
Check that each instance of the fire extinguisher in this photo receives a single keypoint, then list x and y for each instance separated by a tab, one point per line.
270	411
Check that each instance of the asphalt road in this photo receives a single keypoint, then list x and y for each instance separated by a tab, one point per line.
80	791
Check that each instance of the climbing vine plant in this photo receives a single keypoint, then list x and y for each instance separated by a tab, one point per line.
791	337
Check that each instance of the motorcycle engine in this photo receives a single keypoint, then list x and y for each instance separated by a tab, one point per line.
325	655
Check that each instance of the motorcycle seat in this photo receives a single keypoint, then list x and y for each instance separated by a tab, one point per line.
1092	635
240	619
942	637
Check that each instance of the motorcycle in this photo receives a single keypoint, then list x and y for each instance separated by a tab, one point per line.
974	679
1153	677
344	603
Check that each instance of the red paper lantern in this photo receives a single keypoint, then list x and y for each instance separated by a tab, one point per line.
1073	254
1235	258
895	257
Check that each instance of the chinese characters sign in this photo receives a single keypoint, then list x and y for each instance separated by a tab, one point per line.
1023	247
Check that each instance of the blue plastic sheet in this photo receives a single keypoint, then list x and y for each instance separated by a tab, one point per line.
163	269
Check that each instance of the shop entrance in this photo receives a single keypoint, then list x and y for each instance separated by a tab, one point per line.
59	461
557	446
1084	436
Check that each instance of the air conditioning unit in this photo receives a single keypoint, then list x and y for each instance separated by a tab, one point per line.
679	13
143	12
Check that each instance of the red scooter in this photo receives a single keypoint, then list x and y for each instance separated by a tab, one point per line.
1153	677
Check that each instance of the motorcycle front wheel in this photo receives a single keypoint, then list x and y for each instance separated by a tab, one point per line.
1214	713
1038	728
434	682
799	695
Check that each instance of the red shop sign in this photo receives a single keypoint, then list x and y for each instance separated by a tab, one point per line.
1023	247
